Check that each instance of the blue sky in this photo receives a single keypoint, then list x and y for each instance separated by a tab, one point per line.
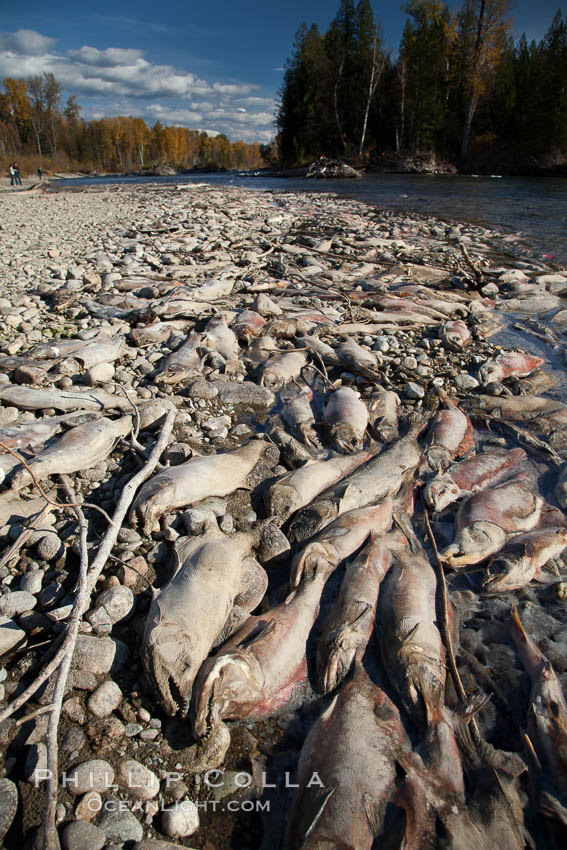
216	67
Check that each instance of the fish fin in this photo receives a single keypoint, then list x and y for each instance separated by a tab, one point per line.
374	812
263	632
321	800
329	710
364	608
344	495
403	522
333	533
290	596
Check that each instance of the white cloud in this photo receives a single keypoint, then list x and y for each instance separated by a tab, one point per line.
108	58
25	42
229	88
123	81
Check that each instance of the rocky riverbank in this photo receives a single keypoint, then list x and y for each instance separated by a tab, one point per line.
215	341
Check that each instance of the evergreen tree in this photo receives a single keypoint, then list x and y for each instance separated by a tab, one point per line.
424	74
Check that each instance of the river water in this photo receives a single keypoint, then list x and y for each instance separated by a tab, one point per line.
535	207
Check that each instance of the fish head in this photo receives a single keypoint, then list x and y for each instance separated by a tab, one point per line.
490	372
441	492
227	686
281	499
340	651
307	562
345	439
438	458
477	541
171	666
502	574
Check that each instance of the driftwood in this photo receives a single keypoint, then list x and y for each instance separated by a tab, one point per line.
66	642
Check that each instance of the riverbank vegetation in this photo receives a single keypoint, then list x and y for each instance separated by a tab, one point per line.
37	130
460	89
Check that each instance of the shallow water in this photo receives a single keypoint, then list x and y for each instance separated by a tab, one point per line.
534	206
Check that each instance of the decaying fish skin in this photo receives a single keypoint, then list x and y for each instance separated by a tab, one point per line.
213	289
23	435
561	488
411	644
547	713
248	324
521	560
193	481
96	351
341	538
492	815
257	670
297	413
214	587
356	359
383	412
348	628
300	486
283	367
455	335
294	453
523	408
325	352
509	364
155	333
55	349
378	477
451	436
471	475
485	519
219	337
79	448
346	416
351	749
32	398
184	362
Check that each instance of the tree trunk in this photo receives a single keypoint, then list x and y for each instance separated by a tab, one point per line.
374	80
337	118
400	135
473	96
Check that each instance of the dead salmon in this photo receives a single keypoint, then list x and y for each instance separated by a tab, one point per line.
341	538
256	671
282	367
299	487
522	408
248	324
350	624
383	413
192	481
346	417
455	335
215	585
347	770
380	476
509	364
486	519
298	414
79	448
547	712
471	475
522	559
410	642
451	436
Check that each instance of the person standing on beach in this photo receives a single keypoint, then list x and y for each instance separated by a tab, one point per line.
12	174
39	172
17	174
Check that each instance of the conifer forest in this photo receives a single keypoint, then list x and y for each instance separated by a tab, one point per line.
459	87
